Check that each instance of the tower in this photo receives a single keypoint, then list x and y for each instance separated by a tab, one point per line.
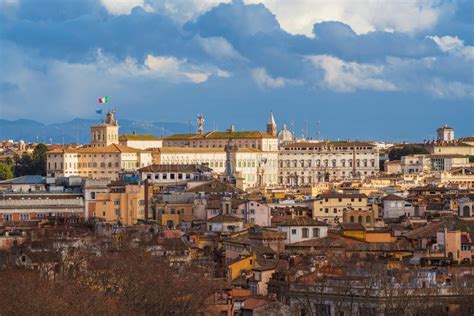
271	125
105	133
445	133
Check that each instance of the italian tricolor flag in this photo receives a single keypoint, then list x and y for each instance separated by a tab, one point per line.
104	100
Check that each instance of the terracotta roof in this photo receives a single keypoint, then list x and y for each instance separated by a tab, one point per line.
303	221
426	231
224	218
324	242
332	195
255	302
393	197
352	226
114	148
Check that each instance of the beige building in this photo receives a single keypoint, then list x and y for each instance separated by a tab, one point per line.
436	162
303	163
140	141
330	207
104	158
96	162
124	203
255	166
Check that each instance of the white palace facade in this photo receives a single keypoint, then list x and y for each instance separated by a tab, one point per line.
304	163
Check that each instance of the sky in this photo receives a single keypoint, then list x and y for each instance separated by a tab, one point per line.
366	70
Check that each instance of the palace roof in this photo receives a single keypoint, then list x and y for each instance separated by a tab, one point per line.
220	135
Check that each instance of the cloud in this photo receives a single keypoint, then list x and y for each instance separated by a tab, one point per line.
454	45
219	48
450	90
298	16
264	80
119	7
344	76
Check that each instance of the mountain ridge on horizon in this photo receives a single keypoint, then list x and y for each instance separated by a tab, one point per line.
76	130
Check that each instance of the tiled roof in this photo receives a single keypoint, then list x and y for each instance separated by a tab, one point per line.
114	148
333	195
352	226
224	218
393	197
303	221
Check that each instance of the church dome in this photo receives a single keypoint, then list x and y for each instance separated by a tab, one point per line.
285	135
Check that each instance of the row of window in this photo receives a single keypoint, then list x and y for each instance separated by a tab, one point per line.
305	232
325	163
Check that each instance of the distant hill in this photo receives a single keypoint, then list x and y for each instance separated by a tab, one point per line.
77	130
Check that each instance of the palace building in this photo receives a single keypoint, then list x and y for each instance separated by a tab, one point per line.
304	163
103	158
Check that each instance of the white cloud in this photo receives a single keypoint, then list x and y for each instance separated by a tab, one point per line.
166	67
454	45
342	76
219	48
298	16
121	7
264	80
450	89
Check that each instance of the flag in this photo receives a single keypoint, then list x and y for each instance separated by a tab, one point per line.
99	111
104	100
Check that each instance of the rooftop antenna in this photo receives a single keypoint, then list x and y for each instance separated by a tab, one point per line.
318	130
306	129
200	124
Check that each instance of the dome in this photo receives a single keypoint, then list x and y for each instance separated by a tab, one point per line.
285	135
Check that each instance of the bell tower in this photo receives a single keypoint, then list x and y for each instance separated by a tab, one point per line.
271	125
105	133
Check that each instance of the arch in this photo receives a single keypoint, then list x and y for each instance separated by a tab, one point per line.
359	219
352	219
466	211
367	219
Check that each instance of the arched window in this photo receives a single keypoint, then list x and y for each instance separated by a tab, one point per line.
352	219
315	232
359	219
466	211
305	233
367	220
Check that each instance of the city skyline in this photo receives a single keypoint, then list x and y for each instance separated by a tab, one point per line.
362	76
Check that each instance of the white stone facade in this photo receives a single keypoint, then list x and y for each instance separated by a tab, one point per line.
305	163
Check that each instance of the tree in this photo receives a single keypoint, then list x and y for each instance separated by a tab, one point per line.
5	171
405	150
39	159
34	164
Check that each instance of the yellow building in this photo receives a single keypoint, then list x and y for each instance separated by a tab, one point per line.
124	203
331	206
235	268
174	215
